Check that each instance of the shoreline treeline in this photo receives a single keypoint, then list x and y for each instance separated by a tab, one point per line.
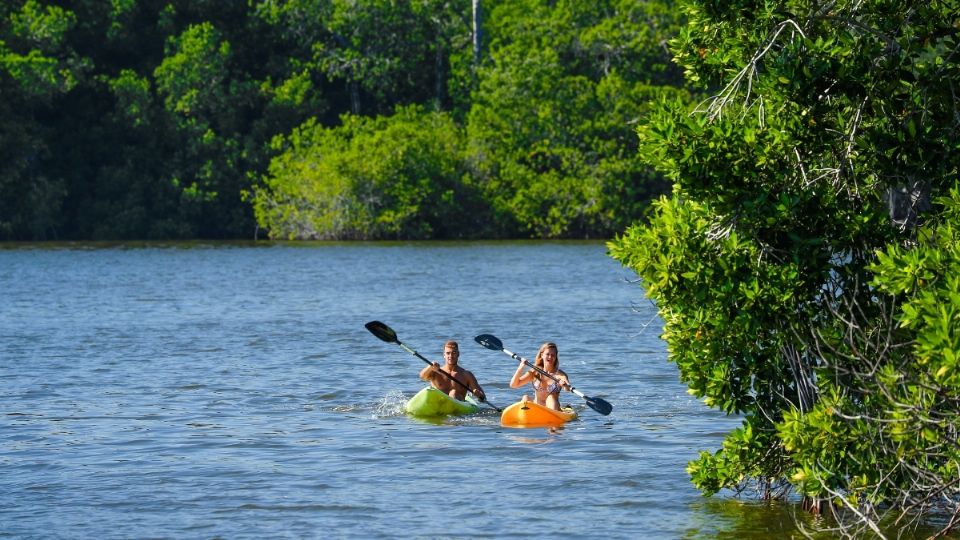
149	119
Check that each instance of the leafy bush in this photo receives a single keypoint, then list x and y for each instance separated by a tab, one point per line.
402	176
805	266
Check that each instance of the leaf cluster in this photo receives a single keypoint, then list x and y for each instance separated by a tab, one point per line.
801	265
398	176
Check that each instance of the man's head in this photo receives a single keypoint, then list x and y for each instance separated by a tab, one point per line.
451	352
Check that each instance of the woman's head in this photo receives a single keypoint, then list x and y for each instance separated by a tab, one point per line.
547	357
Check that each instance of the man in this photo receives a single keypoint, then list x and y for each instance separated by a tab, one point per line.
432	374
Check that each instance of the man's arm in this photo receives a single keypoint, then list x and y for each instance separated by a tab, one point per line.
429	373
475	387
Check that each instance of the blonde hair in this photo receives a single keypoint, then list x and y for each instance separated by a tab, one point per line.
539	360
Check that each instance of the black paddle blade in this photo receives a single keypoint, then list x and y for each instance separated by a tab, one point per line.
489	341
382	331
599	405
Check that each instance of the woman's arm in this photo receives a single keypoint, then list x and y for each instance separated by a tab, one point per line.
519	380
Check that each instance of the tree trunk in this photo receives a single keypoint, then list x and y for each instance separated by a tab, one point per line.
440	94
477	32
354	97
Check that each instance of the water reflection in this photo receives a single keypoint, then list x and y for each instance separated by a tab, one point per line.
722	518
549	435
731	518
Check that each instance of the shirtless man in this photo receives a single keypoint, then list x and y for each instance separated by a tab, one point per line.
451	353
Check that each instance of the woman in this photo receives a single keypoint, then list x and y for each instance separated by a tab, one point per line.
546	390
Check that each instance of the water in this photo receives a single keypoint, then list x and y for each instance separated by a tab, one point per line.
233	391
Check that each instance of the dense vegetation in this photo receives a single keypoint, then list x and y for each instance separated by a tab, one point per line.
327	118
807	264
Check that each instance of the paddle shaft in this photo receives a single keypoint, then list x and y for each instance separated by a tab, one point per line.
516	356
449	376
385	333
489	341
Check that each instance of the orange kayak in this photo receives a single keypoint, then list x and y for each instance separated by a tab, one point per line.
529	414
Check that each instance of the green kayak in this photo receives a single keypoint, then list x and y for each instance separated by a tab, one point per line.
432	402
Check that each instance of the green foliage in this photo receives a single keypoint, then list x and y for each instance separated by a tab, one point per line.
550	127
37	65
744	454
388	53
803	264
41	27
144	119
36	54
402	176
133	97
192	75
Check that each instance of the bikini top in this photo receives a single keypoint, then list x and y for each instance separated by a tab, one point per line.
552	388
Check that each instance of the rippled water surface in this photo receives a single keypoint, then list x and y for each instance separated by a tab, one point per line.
233	391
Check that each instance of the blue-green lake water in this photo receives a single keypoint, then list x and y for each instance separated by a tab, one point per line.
232	391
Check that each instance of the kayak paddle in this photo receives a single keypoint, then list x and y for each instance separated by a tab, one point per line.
387	334
491	342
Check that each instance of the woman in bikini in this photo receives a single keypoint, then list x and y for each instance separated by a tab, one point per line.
546	390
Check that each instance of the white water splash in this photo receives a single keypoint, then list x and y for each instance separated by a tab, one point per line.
392	404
